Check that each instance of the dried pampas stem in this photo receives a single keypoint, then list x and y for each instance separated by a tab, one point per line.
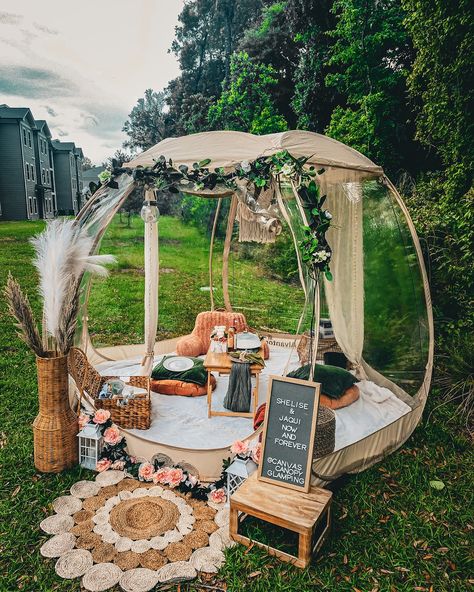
63	255
68	318
20	308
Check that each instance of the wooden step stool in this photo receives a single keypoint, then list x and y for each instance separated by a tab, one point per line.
308	514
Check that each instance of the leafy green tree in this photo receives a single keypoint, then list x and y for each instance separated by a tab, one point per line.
442	203
313	101
270	41
373	55
442	79
207	34
247	104
148	121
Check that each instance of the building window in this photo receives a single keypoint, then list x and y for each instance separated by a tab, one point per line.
29	138
35	205
43	176
30	206
24	136
27	170
32	172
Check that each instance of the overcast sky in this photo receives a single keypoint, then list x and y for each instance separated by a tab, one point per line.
83	65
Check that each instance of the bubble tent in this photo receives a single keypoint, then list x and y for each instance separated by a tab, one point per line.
378	300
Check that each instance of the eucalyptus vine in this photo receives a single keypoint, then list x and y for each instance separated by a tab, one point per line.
261	172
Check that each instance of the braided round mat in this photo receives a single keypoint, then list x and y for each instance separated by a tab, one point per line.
116	530
144	517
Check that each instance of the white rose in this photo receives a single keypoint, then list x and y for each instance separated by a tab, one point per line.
245	166
328	214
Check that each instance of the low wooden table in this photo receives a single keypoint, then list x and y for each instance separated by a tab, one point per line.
222	364
308	514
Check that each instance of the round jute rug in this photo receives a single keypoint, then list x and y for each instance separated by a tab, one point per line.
116	530
144	517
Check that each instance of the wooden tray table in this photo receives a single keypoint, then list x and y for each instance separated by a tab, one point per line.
222	363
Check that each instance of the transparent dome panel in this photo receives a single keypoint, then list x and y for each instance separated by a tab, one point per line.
396	327
264	284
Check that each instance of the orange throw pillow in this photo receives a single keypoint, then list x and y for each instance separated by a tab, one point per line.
350	396
180	388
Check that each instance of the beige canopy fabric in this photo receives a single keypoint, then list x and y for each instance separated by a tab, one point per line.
227	149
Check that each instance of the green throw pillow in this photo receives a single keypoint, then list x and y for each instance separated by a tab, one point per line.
197	374
334	381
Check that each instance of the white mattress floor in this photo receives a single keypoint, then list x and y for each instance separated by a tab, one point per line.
183	421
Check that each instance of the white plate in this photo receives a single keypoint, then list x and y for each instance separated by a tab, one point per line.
247	340
178	364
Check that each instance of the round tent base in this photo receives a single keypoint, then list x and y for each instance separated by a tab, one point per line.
363	434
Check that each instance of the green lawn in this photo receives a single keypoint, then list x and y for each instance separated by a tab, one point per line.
392	532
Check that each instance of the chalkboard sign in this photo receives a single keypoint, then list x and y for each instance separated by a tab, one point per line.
288	436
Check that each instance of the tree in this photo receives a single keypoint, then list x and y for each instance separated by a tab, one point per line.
208	33
247	104
313	101
373	54
148	121
86	163
442	80
442	204
270	41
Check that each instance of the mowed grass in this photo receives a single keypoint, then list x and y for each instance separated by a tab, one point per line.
116	304
392	531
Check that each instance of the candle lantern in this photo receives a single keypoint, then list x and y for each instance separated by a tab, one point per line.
237	472
90	445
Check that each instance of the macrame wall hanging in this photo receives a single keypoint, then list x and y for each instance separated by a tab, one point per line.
257	224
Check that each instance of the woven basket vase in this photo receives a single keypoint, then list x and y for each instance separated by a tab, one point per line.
55	427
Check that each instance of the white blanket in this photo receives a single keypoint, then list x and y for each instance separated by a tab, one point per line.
183	421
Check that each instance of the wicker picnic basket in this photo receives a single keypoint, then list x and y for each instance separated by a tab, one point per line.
136	414
55	427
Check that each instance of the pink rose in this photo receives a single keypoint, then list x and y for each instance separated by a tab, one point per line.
257	453
112	435
175	476
146	471
101	416
118	465
161	476
83	420
103	465
218	496
133	459
239	447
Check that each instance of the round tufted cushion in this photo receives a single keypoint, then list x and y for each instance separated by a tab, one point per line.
191	345
180	388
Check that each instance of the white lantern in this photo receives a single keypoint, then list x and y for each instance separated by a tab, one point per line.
150	211
239	470
90	445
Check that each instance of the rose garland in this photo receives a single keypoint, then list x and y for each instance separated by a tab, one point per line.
115	456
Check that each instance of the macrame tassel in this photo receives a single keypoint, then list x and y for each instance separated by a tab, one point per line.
239	392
